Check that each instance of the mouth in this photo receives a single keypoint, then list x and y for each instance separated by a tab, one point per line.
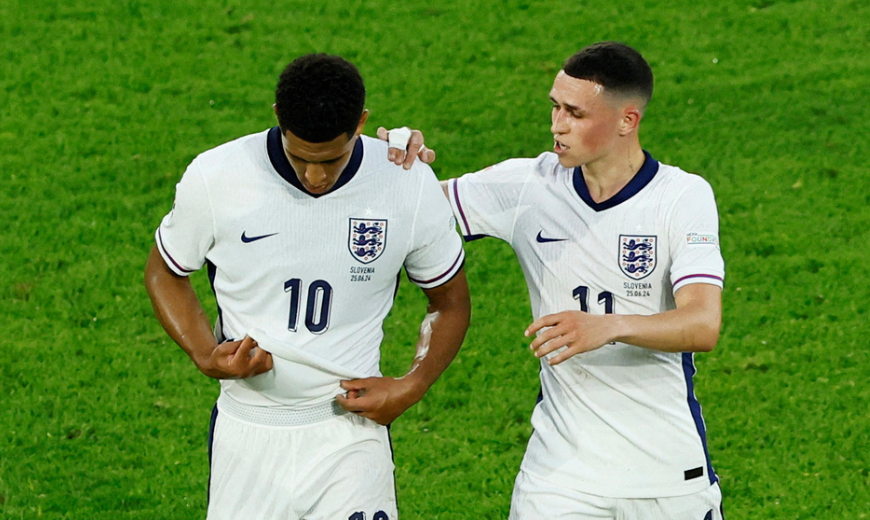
317	189
559	147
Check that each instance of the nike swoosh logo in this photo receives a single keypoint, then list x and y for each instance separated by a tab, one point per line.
246	239
543	240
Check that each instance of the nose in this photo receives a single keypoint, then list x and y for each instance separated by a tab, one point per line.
315	174
559	125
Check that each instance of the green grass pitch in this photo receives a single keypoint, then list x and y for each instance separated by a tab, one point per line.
103	104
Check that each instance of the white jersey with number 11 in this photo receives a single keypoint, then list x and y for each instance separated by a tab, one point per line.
620	421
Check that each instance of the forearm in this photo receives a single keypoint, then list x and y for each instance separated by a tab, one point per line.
692	327
679	330
441	335
178	310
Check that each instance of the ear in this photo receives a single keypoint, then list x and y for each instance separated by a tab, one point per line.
631	116
362	122
275	110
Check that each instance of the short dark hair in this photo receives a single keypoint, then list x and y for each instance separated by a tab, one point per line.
320	97
615	66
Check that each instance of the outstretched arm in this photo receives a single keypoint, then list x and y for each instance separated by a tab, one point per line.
383	399
692	327
182	317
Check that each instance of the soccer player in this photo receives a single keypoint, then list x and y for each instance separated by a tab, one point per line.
304	228
622	261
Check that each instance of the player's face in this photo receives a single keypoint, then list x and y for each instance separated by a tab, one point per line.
586	121
319	165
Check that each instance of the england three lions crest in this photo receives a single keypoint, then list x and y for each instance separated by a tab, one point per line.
367	239
637	255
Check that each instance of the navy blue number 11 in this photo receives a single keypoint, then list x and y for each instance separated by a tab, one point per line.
359	515
581	294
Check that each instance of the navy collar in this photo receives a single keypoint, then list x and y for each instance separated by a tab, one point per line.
638	182
282	165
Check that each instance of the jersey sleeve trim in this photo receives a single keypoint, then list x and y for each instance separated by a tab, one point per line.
699	278
175	266
444	277
456	205
453	192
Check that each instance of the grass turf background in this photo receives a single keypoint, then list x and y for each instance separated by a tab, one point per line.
103	104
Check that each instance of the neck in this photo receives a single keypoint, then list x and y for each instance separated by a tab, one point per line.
607	176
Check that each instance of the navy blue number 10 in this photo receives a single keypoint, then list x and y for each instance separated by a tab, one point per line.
317	308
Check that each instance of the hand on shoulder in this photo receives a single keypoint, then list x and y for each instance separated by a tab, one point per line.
406	146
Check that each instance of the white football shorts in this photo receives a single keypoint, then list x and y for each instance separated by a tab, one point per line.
534	498
336	469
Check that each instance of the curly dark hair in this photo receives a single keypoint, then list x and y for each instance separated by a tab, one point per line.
320	97
615	66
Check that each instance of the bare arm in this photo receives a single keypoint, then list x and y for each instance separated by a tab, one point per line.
692	327
182	317
383	399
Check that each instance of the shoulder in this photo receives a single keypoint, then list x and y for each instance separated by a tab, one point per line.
682	196
680	182
677	176
518	170
375	161
547	164
540	165
375	146
230	155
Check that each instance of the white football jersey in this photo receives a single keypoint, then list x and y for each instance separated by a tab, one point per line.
620	421
318	273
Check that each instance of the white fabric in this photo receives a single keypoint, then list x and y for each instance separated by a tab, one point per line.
327	471
279	415
617	421
535	499
283	261
297	379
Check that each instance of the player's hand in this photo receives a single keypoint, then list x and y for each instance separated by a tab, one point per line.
381	399
236	360
405	156
576	331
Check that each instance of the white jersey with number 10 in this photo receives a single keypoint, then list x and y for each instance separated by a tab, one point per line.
318	273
